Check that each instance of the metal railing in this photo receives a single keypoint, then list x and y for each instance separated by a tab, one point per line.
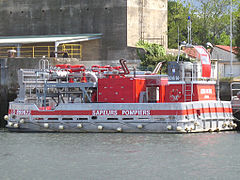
190	72
235	88
235	100
64	50
196	73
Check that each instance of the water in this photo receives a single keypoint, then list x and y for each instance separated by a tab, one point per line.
119	156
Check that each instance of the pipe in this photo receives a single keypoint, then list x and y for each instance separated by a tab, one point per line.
124	66
157	68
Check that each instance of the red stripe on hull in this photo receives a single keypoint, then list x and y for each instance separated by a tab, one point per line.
152	112
87	112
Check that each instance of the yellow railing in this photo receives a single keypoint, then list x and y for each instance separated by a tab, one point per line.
64	50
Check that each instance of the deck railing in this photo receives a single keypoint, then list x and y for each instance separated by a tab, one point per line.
64	50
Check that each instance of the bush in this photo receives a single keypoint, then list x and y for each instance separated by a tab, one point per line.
153	54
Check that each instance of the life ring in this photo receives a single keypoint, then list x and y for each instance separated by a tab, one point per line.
175	95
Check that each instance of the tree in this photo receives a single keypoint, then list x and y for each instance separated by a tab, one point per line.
177	18
152	55
210	21
237	39
213	20
224	39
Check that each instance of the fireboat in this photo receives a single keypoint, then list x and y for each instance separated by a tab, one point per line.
74	98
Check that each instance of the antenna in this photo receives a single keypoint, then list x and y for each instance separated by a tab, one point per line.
189	30
178	36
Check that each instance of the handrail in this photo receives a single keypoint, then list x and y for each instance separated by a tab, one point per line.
234	89
195	70
73	50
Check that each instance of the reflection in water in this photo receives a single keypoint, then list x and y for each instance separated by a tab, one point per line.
119	156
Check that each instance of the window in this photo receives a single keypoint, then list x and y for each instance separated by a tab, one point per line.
112	118
82	118
54	119
67	118
127	118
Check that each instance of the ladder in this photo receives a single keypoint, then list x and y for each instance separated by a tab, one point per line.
188	92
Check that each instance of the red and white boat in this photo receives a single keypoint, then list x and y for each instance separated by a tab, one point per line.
72	98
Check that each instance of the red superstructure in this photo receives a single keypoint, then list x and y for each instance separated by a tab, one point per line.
74	98
120	89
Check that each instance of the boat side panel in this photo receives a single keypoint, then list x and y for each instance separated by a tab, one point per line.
106	117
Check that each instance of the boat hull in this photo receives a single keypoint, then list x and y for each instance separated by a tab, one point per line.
203	116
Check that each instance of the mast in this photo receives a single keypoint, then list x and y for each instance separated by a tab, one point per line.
189	38
231	67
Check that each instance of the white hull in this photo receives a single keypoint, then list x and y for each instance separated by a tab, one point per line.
123	117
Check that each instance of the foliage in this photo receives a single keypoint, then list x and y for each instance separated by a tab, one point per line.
226	79
210	21
177	20
224	39
153	54
213	19
238	34
152	49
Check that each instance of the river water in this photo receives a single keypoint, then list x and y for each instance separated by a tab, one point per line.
119	156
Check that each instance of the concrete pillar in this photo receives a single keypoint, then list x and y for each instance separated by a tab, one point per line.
3	72
18	50
3	91
56	46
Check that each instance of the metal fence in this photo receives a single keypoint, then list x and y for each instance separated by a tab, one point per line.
64	50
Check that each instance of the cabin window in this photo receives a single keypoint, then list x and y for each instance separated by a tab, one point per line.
67	118
160	119
94	117
53	119
38	119
82	118
112	118
143	118
127	118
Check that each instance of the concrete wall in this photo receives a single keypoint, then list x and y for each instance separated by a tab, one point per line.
91	50
147	20
30	17
3	91
115	19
